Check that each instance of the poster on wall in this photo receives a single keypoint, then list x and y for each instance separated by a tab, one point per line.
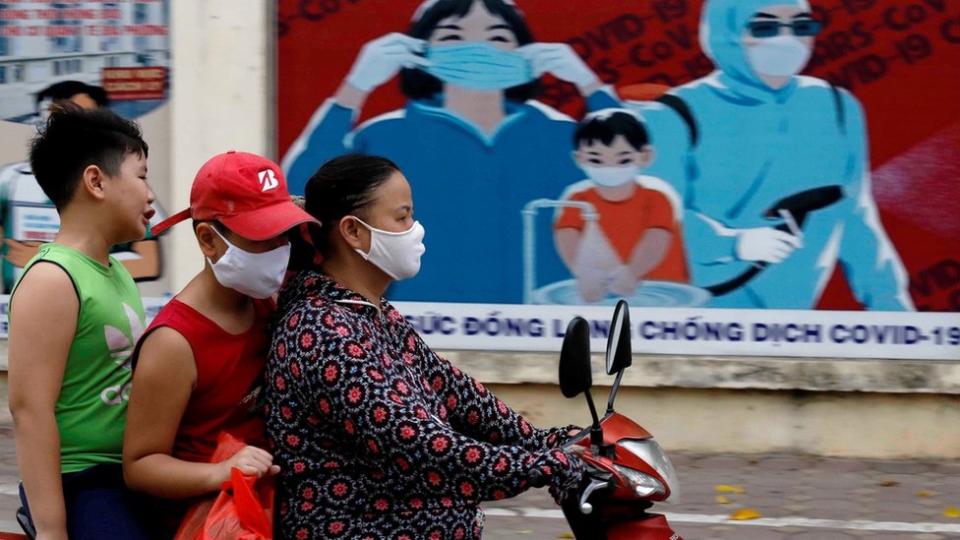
93	54
753	176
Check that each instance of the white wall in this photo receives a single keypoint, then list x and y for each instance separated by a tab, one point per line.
222	99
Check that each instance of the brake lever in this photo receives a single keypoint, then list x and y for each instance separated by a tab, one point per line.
585	507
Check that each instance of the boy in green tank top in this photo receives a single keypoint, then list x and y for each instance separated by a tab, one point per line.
75	315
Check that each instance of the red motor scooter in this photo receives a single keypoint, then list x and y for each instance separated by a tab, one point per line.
628	471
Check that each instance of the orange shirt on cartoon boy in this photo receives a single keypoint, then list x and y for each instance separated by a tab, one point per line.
637	234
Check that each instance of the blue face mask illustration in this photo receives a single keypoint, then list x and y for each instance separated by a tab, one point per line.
478	66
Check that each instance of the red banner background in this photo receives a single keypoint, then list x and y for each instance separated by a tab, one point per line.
900	58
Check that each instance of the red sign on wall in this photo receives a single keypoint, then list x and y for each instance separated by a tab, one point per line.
124	84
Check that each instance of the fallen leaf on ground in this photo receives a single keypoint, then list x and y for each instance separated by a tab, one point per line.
566	535
889	483
952	512
724	488
924	493
722	500
745	514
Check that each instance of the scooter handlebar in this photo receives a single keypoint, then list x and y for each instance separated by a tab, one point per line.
574	439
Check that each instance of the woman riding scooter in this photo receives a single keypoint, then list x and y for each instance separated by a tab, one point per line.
376	435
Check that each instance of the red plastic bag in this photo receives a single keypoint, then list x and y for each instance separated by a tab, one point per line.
243	510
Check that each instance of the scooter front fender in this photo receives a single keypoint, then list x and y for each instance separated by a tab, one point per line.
653	527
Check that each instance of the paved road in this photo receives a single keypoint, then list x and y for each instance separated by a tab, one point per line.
798	498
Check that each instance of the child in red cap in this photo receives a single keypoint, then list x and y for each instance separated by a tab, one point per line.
198	366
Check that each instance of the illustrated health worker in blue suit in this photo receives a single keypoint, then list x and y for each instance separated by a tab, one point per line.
473	142
772	167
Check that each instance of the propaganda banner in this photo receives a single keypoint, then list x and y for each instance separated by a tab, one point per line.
748	162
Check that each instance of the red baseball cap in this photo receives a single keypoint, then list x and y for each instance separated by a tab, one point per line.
245	192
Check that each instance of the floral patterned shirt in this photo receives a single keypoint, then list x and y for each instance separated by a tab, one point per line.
380	438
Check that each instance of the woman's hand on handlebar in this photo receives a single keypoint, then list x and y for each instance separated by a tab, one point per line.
574	435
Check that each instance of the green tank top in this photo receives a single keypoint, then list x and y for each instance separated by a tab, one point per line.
91	409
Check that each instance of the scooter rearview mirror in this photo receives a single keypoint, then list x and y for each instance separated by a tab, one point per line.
575	375
619	350
619	355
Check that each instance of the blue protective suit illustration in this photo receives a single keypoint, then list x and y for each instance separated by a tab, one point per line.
747	157
469	188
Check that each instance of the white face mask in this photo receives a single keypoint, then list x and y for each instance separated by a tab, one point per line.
612	176
258	275
396	253
780	56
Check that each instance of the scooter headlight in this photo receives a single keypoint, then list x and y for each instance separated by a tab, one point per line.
643	485
650	452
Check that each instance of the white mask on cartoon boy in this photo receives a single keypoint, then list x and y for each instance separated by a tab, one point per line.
612	176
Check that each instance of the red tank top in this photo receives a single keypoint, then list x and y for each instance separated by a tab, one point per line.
229	376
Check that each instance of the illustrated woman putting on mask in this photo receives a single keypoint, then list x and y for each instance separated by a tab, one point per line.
198	367
377	436
471	135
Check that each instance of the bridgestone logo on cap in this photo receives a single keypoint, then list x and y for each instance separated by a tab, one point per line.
268	180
